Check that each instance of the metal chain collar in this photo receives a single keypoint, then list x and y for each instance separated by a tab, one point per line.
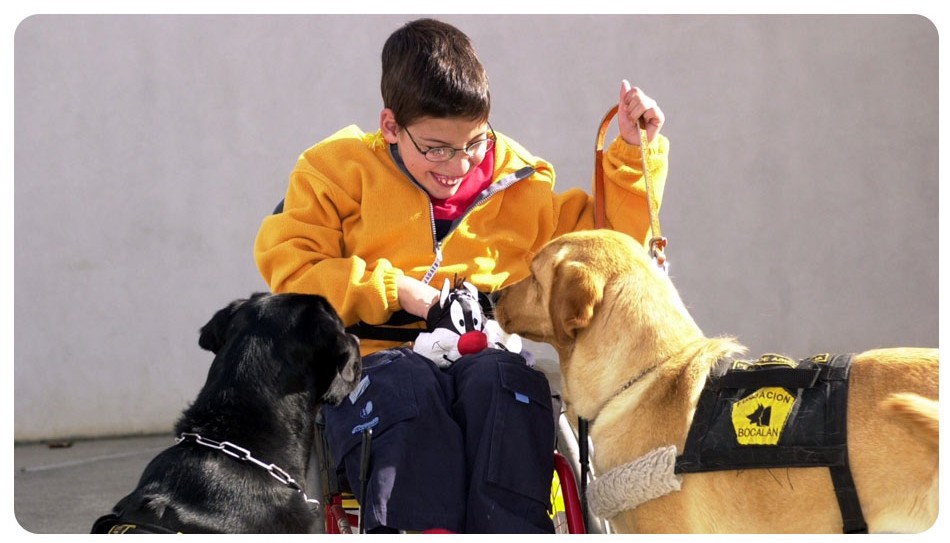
244	455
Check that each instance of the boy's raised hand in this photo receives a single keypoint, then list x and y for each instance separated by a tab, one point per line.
634	105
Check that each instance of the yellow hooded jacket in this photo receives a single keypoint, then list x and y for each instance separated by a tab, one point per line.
353	221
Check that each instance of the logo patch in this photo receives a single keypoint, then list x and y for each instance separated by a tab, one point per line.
360	427
759	418
359	390
122	528
367	410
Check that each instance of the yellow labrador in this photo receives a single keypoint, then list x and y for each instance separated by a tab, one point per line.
634	363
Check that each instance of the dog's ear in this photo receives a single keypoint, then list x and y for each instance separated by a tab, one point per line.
575	291
214	333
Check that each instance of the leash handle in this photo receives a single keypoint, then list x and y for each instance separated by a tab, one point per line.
657	242
600	218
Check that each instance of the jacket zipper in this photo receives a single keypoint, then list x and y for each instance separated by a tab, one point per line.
436	245
492	190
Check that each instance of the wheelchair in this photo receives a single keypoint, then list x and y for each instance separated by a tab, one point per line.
341	511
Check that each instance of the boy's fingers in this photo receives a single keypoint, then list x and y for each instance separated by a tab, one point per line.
624	89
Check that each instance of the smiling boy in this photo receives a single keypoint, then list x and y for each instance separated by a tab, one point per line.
373	221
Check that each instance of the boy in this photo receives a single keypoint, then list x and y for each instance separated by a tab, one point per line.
374	222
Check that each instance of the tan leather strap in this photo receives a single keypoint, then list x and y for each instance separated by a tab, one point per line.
600	217
657	241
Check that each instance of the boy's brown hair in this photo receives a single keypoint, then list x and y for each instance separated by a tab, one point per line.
430	69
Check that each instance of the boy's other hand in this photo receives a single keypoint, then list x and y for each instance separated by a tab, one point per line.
415	296
634	105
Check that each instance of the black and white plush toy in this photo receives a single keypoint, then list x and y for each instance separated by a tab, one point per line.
457	326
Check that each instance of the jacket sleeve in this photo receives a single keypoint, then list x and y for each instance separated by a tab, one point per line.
624	191
301	250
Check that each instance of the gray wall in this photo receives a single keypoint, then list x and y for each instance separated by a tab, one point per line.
801	205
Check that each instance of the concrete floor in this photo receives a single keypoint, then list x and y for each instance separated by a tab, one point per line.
63	490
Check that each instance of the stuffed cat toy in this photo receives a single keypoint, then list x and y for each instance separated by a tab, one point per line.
457	326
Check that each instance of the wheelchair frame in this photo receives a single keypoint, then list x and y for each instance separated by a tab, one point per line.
572	473
341	511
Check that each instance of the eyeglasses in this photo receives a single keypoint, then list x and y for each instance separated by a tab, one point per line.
441	154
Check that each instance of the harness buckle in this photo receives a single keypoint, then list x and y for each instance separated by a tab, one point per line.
657	245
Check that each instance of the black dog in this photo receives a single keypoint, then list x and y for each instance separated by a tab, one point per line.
246	440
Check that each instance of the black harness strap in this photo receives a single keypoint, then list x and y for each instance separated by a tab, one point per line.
821	382
117	524
845	490
780	376
848	501
392	330
384	333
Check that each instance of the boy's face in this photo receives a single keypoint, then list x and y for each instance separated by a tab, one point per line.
440	179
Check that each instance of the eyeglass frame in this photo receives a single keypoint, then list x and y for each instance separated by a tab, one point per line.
489	140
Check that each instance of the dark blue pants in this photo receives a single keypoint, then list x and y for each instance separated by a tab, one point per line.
468	449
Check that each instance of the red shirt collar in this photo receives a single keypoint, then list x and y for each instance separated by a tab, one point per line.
474	183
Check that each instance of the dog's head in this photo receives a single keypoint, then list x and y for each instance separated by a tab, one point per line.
605	305
292	342
581	277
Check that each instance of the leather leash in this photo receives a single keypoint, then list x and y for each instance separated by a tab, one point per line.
657	241
656	246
